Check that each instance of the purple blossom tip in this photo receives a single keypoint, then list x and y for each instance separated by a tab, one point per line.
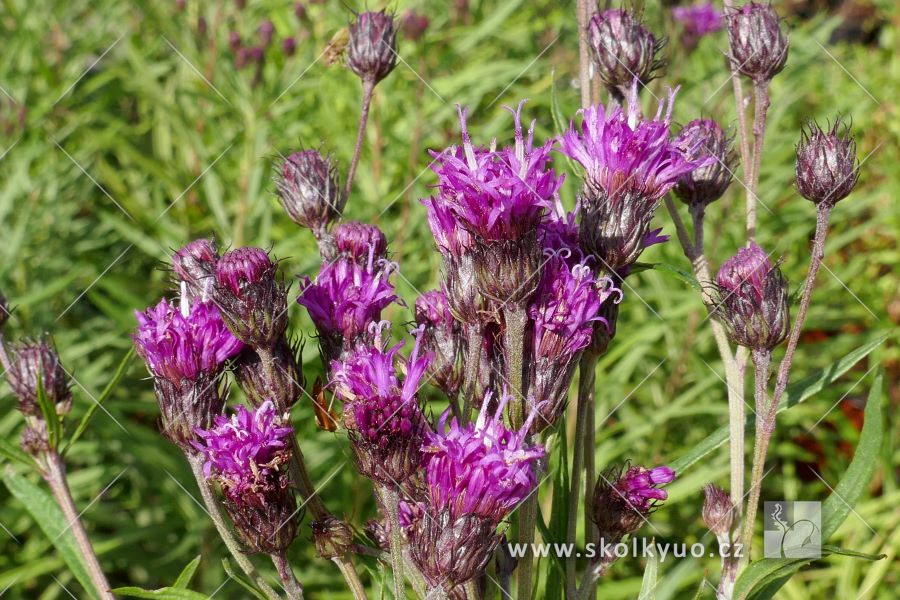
360	240
244	266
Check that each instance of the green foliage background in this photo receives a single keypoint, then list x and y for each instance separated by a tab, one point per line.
125	133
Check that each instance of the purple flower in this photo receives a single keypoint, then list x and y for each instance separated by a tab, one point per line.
180	345
624	498
252	301
697	21
630	164
640	487
451	238
558	233
480	469
345	300
497	195
242	267
753	299
382	413
360	241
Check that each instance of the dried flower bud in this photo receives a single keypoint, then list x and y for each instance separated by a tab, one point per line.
702	138
753	299
718	512
827	167
253	304
309	190
36	365
332	537
759	47
623	499
443	339
372	47
508	270
622	48
195	265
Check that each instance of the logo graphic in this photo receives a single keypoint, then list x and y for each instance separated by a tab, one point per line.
792	529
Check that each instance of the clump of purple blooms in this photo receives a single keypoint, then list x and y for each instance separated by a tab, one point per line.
697	21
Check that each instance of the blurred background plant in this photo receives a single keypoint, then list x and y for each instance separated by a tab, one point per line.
127	129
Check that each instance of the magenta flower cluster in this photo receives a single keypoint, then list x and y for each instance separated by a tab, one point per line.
640	487
179	345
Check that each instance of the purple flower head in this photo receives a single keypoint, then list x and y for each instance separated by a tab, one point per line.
244	453
382	413
266	30
624	498
442	337
558	233
309	189
289	46
481	469
195	265
180	345
345	300
34	366
252	302
451	238
564	312
753	299
497	195
759	46
630	164
360	241
372	46
703	138
697	21
414	24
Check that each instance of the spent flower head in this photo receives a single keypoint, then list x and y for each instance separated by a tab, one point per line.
195	265
705	139
310	191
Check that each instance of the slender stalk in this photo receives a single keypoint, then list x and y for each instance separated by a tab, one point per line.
583	9
437	593
516	320
592	576
472	591
215	513
55	476
585	389
292	587
346	567
472	367
588	444
391	500
368	88
761	108
765	425
527	519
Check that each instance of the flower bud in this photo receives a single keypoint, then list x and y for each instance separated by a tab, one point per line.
759	47
442	337
508	270
718	512
622	48
624	498
309	190
414	25
36	365
35	439
289	46
266	30
753	299
253	304
360	241
827	167
195	264
702	138
332	537
372	47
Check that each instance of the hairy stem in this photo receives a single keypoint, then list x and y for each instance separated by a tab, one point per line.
585	390
350	576
472	591
765	425
55	475
391	500
292	587
760	108
584	8
592	576
215	513
514	337
589	362
472	367
368	88
527	520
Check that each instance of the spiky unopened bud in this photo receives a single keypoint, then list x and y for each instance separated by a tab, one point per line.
332	537
309	189
622	48
759	46
699	139
827	166
195	265
372	47
718	511
508	270
34	367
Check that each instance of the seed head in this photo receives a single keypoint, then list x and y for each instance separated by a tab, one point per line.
372	47
309	190
622	48
759	46
827	166
332	537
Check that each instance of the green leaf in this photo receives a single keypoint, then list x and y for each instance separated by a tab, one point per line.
104	395
241	581
556	532
48	410
795	394
648	584
187	574
762	579
14	453
166	593
48	516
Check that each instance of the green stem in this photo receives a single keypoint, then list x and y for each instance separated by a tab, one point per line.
516	320
368	88
765	425
472	592
55	475
350	576
472	368
760	107
527	520
215	513
291	586
391	500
